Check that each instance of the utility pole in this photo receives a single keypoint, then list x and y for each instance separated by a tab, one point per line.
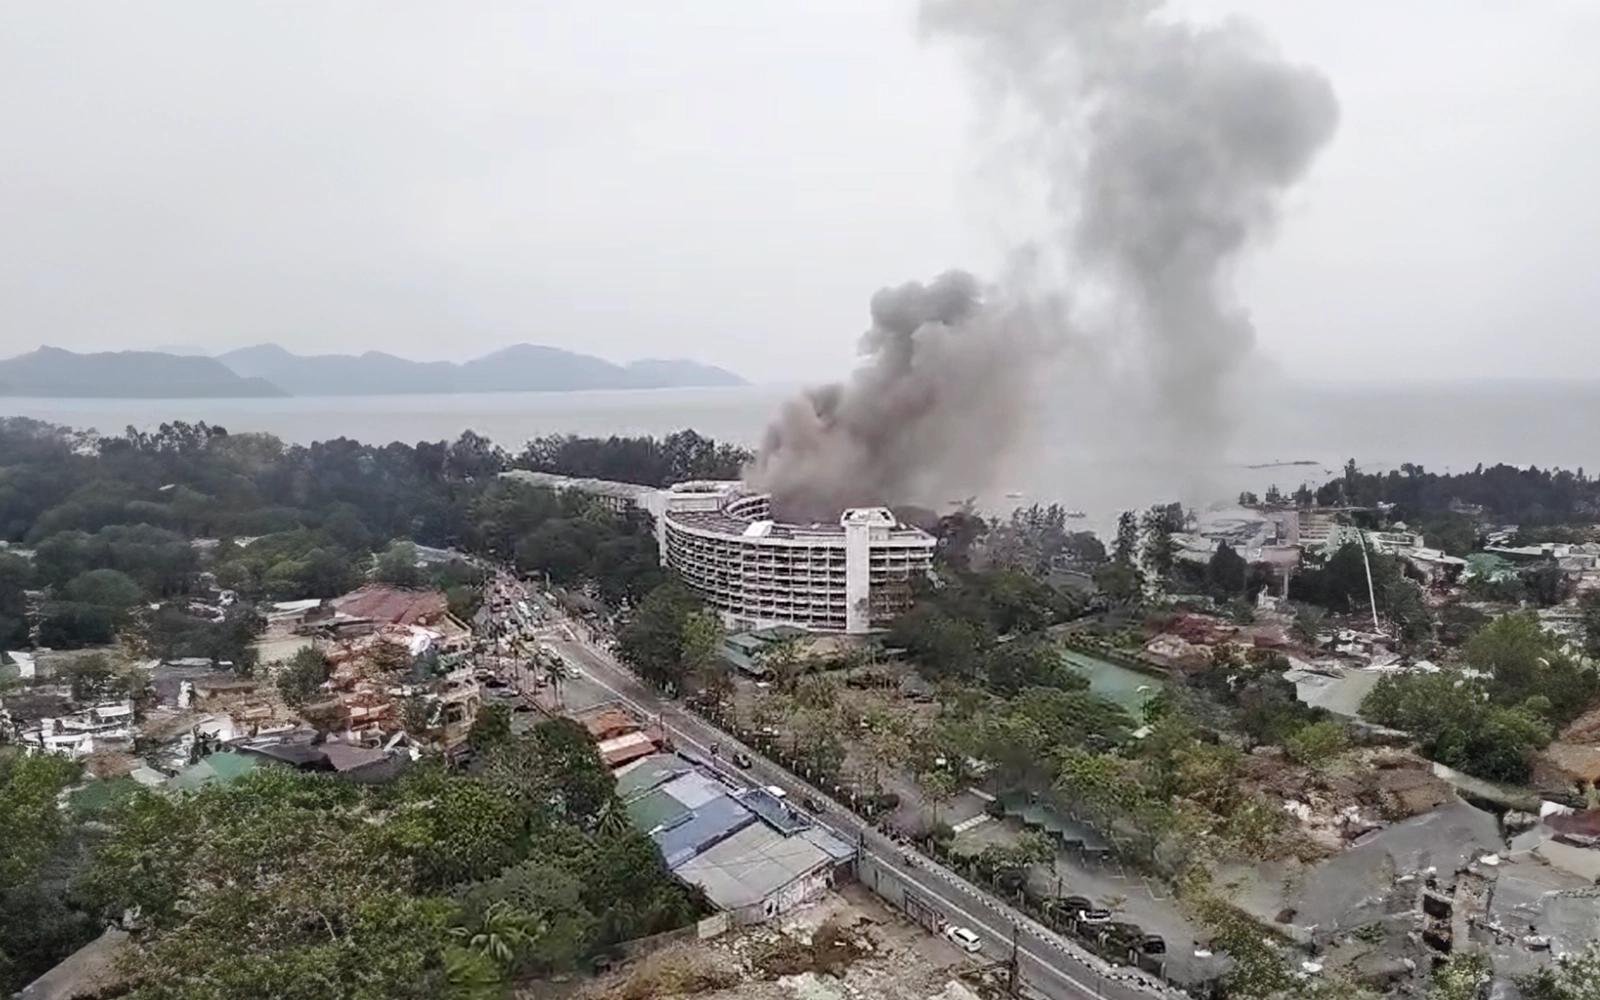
1011	972
1372	596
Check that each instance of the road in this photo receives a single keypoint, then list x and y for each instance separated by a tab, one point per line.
1047	963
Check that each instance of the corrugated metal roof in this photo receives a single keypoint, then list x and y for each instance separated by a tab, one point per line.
656	809
751	865
694	789
647	773
709	824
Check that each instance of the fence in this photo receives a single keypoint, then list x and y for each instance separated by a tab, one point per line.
704	930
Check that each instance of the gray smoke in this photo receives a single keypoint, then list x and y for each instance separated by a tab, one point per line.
941	391
1165	149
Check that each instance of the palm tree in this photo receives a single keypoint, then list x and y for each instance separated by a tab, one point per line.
503	933
555	671
614	820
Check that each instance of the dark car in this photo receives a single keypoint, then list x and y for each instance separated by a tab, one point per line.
811	804
742	759
1153	944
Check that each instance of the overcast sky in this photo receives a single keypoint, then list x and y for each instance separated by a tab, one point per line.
730	180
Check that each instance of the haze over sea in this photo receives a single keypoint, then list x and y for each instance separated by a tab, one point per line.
1442	426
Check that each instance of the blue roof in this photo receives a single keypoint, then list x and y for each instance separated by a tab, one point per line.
698	830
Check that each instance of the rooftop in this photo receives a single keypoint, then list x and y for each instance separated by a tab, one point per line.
643	775
745	868
697	830
393	605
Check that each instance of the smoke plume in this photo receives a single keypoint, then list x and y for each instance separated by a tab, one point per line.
1164	149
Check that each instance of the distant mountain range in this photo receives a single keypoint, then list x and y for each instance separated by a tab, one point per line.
50	371
270	370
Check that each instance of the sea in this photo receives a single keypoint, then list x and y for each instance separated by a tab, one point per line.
1285	435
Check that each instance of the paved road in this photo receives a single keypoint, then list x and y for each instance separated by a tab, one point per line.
1047	963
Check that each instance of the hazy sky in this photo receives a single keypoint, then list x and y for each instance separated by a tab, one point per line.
731	180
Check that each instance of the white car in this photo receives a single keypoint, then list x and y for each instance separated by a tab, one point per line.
963	939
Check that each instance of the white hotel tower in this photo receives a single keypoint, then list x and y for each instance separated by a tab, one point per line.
852	576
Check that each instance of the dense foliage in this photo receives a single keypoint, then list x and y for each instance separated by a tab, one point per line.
118	522
1528	496
669	637
37	927
952	628
1339	583
1490	718
680	456
442	885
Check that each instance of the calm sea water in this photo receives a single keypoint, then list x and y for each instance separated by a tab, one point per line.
1442	426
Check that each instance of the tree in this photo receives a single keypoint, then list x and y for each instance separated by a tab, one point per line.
1525	661
567	928
1119	581
301	678
37	927
1570	977
329	895
397	565
70	625
1464	976
16	576
1316	743
668	635
503	933
1457	723
1157	527
1023	663
1589	608
490	729
1126	550
1225	573
106	588
1547	584
938	786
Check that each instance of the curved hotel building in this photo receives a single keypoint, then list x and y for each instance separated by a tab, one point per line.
850	576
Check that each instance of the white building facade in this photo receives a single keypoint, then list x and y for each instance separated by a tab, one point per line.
852	576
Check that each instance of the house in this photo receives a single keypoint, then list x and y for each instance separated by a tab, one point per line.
751	853
608	721
107	726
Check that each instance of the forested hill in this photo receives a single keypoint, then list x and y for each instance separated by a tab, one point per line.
1506	493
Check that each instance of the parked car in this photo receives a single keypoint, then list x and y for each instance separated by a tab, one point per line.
742	759
963	939
811	804
1153	944
776	792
